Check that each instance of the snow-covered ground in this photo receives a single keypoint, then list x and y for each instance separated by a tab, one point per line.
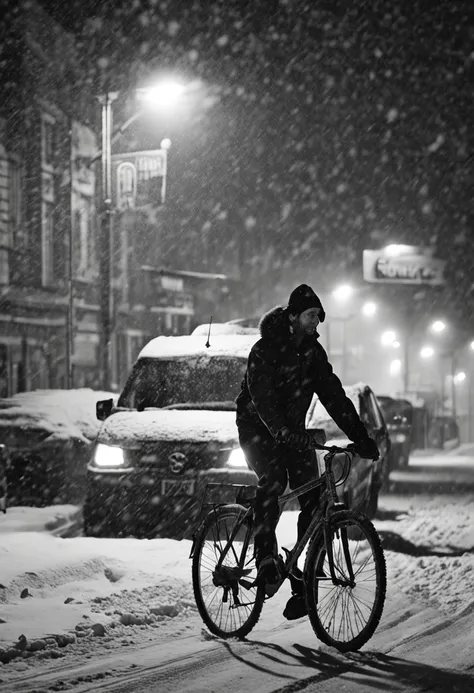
90	594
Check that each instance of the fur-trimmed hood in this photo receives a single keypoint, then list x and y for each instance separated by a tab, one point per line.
275	325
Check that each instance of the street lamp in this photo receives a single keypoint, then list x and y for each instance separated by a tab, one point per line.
166	92
388	338
369	309
343	293
438	326
427	352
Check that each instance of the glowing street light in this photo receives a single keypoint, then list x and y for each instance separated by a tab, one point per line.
472	345
438	326
427	352
369	308
343	292
459	377
162	94
388	338
395	367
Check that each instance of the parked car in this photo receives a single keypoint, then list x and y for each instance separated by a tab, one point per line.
48	434
172	432
398	414
444	432
366	478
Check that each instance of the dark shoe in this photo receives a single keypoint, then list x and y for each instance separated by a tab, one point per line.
296	582
268	574
295	608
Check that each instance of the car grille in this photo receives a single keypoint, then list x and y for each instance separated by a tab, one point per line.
177	457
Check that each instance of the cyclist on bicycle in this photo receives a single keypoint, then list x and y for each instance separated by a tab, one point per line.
285	368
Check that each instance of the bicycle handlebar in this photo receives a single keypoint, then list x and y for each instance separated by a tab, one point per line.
335	449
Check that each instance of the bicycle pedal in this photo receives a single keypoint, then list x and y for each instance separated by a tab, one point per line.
246	584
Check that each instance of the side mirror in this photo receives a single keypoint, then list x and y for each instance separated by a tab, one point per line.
103	408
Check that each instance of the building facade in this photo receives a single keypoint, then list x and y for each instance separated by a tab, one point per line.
47	203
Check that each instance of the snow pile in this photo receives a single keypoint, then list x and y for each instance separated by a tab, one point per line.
430	552
55	591
62	414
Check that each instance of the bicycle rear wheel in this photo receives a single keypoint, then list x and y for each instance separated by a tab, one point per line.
227	603
346	615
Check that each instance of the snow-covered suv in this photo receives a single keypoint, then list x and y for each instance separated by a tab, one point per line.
172	432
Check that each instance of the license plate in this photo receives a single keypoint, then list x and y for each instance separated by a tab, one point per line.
178	488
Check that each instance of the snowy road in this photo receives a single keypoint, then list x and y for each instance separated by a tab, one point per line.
425	640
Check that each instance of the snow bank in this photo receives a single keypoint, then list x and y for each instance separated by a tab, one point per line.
429	551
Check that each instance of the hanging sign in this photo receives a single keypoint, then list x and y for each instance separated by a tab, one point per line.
404	264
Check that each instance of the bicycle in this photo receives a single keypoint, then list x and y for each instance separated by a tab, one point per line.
344	573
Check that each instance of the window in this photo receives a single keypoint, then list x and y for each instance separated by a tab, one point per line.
15	194
47	140
47	247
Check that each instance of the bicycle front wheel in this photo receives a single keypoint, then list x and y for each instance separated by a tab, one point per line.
345	613
228	603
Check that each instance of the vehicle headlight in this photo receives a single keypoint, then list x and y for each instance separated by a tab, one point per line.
399	438
108	456
237	458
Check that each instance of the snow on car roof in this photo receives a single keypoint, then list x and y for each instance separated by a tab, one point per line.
233	345
219	328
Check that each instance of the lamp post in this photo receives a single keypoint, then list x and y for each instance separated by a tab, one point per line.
164	93
106	229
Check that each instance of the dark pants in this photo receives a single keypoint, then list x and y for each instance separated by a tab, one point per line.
276	465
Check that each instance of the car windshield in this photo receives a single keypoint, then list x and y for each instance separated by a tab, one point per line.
164	382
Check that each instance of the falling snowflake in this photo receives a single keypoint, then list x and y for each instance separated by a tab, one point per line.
173	28
222	41
392	115
439	141
427	208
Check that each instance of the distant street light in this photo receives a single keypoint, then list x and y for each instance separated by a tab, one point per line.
369	309
459	377
343	293
427	352
395	367
438	326
388	338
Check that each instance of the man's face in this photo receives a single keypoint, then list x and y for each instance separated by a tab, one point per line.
307	322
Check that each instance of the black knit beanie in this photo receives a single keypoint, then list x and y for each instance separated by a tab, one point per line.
302	298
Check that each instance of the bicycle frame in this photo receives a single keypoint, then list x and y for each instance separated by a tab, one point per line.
329	504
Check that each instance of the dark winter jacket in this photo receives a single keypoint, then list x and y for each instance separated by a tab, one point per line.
280	382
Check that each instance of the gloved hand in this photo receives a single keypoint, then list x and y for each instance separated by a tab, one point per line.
368	449
300	439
